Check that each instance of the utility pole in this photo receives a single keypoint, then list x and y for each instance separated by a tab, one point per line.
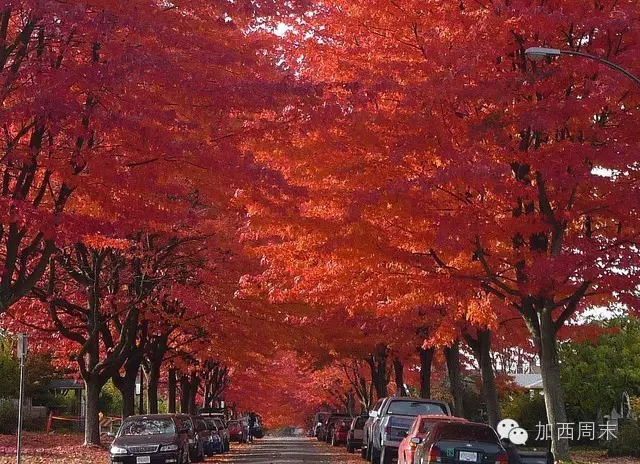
22	356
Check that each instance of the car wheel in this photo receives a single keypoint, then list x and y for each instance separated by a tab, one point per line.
363	452
386	456
370	452
350	448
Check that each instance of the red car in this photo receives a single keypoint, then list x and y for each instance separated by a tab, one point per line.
237	431
417	431
340	432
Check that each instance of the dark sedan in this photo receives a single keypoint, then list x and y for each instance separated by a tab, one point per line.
151	439
451	442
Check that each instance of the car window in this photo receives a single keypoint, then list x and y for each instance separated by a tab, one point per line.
147	427
425	425
414	408
234	423
211	424
201	424
467	432
219	423
360	422
378	405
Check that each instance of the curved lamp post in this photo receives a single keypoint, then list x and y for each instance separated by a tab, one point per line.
538	53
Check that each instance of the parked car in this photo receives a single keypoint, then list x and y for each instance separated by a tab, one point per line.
421	425
150	439
356	430
223	430
327	430
196	442
393	420
456	442
340	432
205	434
318	426
216	440
365	451
237	431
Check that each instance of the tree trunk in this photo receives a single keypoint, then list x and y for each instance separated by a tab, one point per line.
172	390
398	369
92	413
378	364
553	392
452	355
126	384
426	358
152	388
193	392
185	393
141	405
482	352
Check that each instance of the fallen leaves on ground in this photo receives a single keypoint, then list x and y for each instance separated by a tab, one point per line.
51	449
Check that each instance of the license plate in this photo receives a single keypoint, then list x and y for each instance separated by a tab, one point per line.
143	460
468	456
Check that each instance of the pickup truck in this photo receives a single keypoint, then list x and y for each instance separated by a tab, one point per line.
392	421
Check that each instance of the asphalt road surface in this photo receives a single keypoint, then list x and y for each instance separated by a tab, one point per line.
287	451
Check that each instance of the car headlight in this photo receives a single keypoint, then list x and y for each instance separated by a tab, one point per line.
169	448
118	450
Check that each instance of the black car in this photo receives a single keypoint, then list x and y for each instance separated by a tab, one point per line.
451	442
151	439
196	441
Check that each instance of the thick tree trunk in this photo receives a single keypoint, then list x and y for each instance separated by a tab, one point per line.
153	381
185	393
378	364
142	389
481	348
92	413
398	369
553	391
452	355
172	384
193	393
426	358
126	384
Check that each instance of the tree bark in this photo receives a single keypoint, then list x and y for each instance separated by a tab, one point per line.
452	355
426	359
126	384
481	348
93	387
398	369
185	393
553	391
378	364
172	390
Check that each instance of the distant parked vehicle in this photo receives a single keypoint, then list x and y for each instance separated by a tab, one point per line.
196	442
237	431
223	430
455	442
327	430
318	426
392	422
150	439
215	445
356	433
421	425
340	432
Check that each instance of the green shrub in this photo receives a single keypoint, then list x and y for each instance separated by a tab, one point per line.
628	441
527	410
8	418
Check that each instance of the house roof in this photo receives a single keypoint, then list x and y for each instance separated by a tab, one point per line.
528	381
65	384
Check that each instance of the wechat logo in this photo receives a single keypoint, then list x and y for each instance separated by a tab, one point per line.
510	430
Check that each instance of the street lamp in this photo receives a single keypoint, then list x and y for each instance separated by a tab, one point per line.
538	53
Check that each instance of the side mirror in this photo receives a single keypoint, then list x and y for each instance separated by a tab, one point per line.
373	414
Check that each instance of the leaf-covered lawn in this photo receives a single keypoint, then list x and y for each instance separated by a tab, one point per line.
51	449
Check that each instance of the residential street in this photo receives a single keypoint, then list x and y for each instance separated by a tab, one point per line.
288	450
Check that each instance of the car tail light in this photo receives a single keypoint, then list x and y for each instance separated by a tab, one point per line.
502	458
434	454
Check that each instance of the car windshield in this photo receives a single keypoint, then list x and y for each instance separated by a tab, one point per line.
148	427
211	424
414	408
467	432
